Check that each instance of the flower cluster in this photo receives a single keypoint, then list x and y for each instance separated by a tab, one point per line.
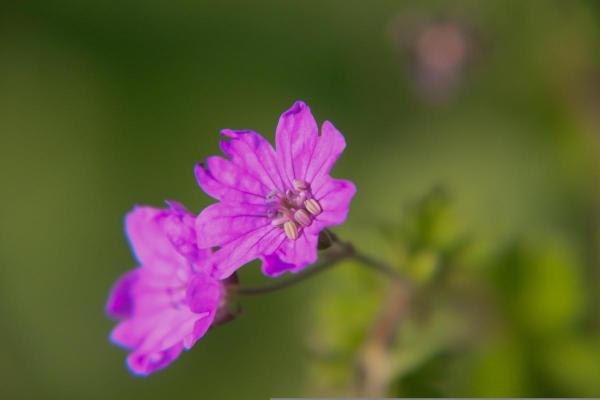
272	205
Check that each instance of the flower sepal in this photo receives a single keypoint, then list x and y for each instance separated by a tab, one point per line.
229	307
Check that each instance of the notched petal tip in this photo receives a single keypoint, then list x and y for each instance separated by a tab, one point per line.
205	178
207	181
228	133
200	168
333	137
176	206
234	134
144	364
297	107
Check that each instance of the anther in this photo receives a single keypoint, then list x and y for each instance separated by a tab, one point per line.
291	230
300	185
313	206
302	217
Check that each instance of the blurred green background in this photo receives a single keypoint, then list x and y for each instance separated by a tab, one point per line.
104	105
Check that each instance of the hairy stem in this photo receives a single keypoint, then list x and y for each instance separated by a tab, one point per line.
377	265
331	260
339	251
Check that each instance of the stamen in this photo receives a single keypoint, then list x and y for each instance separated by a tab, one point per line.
300	185
302	217
291	230
313	206
279	220
293	209
299	200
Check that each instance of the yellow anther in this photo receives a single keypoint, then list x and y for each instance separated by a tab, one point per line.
302	217
291	230
300	185
313	206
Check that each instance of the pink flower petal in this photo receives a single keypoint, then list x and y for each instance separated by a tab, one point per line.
229	182
329	148
273	266
335	196
221	223
144	364
296	138
147	237
248	247
169	302
120	303
299	253
255	155
261	191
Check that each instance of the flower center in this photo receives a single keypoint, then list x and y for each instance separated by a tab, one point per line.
293	210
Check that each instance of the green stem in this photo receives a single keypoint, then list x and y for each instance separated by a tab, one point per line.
377	265
339	252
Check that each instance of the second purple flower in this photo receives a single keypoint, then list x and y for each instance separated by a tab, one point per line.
273	203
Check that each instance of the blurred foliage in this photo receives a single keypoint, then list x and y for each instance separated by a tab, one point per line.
104	105
502	322
426	248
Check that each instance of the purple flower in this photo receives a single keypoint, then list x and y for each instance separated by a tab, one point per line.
168	302
273	203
